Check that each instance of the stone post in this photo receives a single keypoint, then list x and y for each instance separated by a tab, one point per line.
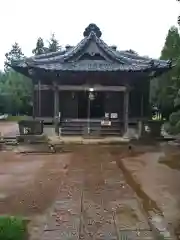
140	129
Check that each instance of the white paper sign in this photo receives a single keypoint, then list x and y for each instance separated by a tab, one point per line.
114	115
106	115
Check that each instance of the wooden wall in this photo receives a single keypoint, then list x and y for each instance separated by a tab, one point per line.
46	106
113	103
47	103
68	103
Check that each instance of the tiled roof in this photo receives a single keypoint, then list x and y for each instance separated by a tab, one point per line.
114	60
88	65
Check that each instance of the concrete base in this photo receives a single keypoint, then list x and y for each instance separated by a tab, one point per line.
132	133
81	140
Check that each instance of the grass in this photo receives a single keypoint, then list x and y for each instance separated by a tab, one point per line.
16	118
13	228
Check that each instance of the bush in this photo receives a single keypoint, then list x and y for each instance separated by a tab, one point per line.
174	118
172	130
12	228
166	126
178	126
173	126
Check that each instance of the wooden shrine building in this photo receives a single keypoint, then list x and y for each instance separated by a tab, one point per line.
90	83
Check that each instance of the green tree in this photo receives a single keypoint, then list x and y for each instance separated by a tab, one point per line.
15	54
2	77
40	48
3	98
15	89
178	16
53	44
165	87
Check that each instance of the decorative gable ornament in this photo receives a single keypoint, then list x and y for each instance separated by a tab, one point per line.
92	28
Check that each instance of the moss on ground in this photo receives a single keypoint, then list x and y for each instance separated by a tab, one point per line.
13	228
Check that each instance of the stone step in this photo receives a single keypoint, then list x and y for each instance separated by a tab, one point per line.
71	133
80	127
92	128
81	133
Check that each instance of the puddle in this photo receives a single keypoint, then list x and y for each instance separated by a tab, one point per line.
171	160
147	203
127	215
155	215
161	225
3	196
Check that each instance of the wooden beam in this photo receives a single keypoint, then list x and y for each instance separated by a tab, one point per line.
33	103
98	88
142	105
43	87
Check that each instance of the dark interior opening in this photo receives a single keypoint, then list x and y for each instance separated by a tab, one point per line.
82	104
95	105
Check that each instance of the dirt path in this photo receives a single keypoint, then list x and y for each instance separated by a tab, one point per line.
29	183
93	202
8	129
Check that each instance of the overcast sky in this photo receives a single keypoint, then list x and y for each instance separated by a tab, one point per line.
141	25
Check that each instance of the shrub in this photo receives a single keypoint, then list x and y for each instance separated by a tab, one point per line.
178	126
173	130
166	126
173	126
12	228
174	118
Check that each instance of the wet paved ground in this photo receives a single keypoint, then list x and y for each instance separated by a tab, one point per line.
93	202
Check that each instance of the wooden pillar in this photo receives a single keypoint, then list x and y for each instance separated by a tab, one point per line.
142	105
34	102
32	74
140	122
39	98
126	110
56	108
